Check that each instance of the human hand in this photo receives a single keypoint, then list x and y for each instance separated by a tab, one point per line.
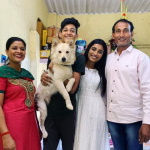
144	133
8	142
45	79
51	67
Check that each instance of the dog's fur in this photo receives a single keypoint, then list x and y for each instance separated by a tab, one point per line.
62	56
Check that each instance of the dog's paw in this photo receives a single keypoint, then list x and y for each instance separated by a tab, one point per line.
70	84
45	134
68	88
69	106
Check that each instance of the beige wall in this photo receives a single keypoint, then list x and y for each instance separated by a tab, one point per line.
100	26
18	18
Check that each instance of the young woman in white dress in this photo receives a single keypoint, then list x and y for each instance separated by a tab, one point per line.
91	126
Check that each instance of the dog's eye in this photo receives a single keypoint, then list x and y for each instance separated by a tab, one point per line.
67	52
59	51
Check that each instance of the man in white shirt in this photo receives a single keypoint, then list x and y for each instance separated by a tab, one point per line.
128	91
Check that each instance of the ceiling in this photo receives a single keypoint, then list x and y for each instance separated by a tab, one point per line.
71	7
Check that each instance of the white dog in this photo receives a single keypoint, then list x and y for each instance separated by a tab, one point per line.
62	56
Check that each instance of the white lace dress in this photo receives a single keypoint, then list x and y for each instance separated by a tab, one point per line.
91	126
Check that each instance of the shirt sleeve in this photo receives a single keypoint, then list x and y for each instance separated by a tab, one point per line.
144	81
2	85
79	65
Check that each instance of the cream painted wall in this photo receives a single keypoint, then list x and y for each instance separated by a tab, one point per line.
100	26
18	18
52	19
35	56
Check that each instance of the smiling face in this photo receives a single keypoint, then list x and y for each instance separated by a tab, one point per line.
69	31
122	35
95	53
16	52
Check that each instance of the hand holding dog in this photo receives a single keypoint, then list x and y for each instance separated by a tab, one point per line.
45	79
8	142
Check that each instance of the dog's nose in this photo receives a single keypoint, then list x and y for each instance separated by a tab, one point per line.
63	59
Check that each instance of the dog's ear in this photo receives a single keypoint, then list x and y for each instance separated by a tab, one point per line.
55	41
71	43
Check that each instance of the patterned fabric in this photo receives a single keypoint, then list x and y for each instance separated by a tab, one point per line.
9	72
18	107
28	87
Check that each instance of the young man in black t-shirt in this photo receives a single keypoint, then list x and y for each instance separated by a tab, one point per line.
60	122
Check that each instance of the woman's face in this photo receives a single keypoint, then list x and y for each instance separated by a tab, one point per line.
95	53
16	52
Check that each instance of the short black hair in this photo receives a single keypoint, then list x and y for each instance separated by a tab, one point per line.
13	39
70	21
126	21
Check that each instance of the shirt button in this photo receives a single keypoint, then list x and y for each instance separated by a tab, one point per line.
111	100
118	59
115	70
114	81
109	111
112	91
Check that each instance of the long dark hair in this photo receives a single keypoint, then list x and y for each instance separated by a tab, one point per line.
100	65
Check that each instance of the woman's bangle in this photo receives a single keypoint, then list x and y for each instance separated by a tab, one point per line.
5	133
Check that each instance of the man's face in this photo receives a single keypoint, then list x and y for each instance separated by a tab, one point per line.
69	31
122	34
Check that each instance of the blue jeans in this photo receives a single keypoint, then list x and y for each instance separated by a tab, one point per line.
125	136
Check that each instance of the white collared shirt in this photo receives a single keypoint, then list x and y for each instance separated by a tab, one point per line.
128	86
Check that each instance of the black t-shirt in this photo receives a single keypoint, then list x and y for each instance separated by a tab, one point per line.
57	108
